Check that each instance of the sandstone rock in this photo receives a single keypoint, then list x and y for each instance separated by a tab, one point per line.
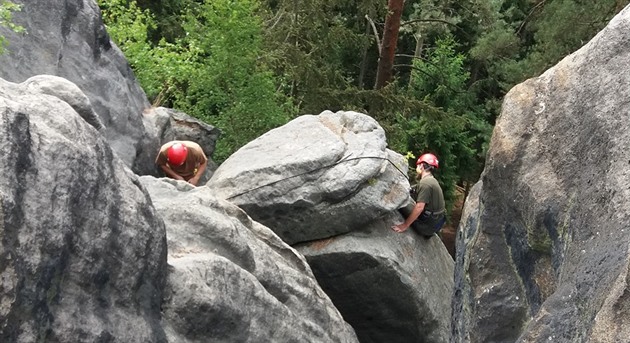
301	180
315	177
545	254
391	287
82	250
66	91
68	39
231	279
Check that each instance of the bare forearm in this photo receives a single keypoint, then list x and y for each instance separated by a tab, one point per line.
195	179
415	213
201	170
171	173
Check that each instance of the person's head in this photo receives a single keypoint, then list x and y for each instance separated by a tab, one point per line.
176	154
427	162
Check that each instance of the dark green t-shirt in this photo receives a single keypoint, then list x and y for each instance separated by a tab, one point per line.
429	192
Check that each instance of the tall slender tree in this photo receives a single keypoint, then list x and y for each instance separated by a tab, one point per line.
390	40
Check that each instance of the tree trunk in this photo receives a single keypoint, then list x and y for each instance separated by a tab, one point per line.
417	54
390	39
365	57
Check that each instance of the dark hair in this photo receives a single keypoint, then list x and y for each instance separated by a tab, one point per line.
427	167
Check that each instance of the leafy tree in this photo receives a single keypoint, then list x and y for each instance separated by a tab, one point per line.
429	19
167	14
458	134
316	47
128	24
563	26
6	10
212	72
518	39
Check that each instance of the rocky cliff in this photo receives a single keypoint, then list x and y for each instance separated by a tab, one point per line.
543	246
90	252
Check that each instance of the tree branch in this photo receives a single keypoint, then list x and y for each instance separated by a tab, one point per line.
428	21
540	4
406	55
440	77
276	20
378	40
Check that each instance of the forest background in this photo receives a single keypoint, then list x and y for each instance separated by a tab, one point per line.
432	72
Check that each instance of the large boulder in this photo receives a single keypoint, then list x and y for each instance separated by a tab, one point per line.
231	279
67	38
390	287
315	177
544	254
329	185
82	250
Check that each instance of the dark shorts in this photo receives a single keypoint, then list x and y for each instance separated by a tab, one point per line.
426	224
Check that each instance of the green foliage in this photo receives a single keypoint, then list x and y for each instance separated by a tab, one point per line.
317	46
231	88
459	133
6	14
128	25
521	39
563	26
167	17
248	66
212	72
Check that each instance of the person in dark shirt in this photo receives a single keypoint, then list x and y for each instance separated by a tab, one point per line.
428	215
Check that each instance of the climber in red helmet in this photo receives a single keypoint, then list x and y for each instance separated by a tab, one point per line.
428	215
182	160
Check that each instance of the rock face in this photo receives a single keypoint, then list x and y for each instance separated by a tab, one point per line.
65	91
82	250
390	287
329	182
67	38
544	255
304	178
232	279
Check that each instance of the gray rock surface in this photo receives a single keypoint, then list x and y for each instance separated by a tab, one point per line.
467	233
231	279
82	250
301	179
545	254
391	287
67	38
315	177
66	91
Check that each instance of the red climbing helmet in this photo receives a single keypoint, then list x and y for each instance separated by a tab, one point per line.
176	154
429	159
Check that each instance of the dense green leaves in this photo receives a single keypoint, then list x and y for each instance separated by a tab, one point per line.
250	65
6	10
229	87
211	72
459	133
